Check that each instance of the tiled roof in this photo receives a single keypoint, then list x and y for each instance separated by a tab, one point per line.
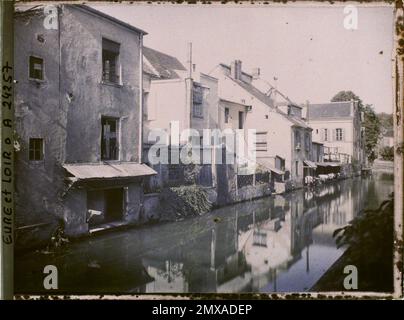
164	64
268	101
329	110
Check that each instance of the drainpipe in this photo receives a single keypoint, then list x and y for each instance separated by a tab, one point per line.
189	85
140	150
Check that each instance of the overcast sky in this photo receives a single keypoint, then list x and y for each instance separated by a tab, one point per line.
306	47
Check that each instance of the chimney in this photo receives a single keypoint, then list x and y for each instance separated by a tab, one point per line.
256	72
235	69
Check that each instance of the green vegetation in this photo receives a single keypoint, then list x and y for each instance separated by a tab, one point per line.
386	121
185	201
387	153
371	122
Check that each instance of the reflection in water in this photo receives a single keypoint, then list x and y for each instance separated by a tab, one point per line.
277	244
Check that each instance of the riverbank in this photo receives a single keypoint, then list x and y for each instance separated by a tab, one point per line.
370	241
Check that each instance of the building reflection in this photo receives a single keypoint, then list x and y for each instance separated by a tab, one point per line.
259	242
275	244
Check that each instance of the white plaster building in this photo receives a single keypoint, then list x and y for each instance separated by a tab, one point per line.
338	126
281	134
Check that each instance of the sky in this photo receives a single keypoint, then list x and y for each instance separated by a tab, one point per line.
306	47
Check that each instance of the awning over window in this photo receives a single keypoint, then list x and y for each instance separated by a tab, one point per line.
310	164
329	164
277	171
108	170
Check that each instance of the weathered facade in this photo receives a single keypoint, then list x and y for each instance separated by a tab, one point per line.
79	125
177	101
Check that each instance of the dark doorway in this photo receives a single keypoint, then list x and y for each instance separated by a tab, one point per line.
105	205
113	204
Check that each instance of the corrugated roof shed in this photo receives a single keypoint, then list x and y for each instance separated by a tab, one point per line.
108	170
329	110
164	64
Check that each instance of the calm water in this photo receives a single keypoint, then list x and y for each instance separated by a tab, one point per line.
277	244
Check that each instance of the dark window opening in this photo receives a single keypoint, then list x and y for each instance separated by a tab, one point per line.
35	149
240	120
297	140
110	61
109	138
35	68
226	115
197	99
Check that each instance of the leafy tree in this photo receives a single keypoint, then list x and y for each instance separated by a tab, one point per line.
371	122
387	153
386	121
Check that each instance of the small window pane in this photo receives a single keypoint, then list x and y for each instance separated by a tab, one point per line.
35	68
35	149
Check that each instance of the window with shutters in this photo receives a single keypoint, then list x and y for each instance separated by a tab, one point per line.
36	68
339	134
109	138
197	97
261	143
110	62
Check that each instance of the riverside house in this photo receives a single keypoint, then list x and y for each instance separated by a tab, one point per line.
338	125
78	123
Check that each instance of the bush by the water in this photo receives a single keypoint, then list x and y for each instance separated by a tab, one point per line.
184	201
370	240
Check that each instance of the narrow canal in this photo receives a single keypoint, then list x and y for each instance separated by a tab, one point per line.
276	244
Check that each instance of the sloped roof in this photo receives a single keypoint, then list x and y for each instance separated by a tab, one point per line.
228	67
164	64
86	171
251	89
329	110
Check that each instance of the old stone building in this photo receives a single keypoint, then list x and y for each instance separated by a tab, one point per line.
78	122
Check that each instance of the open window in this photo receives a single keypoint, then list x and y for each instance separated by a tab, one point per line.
109	138
110	62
